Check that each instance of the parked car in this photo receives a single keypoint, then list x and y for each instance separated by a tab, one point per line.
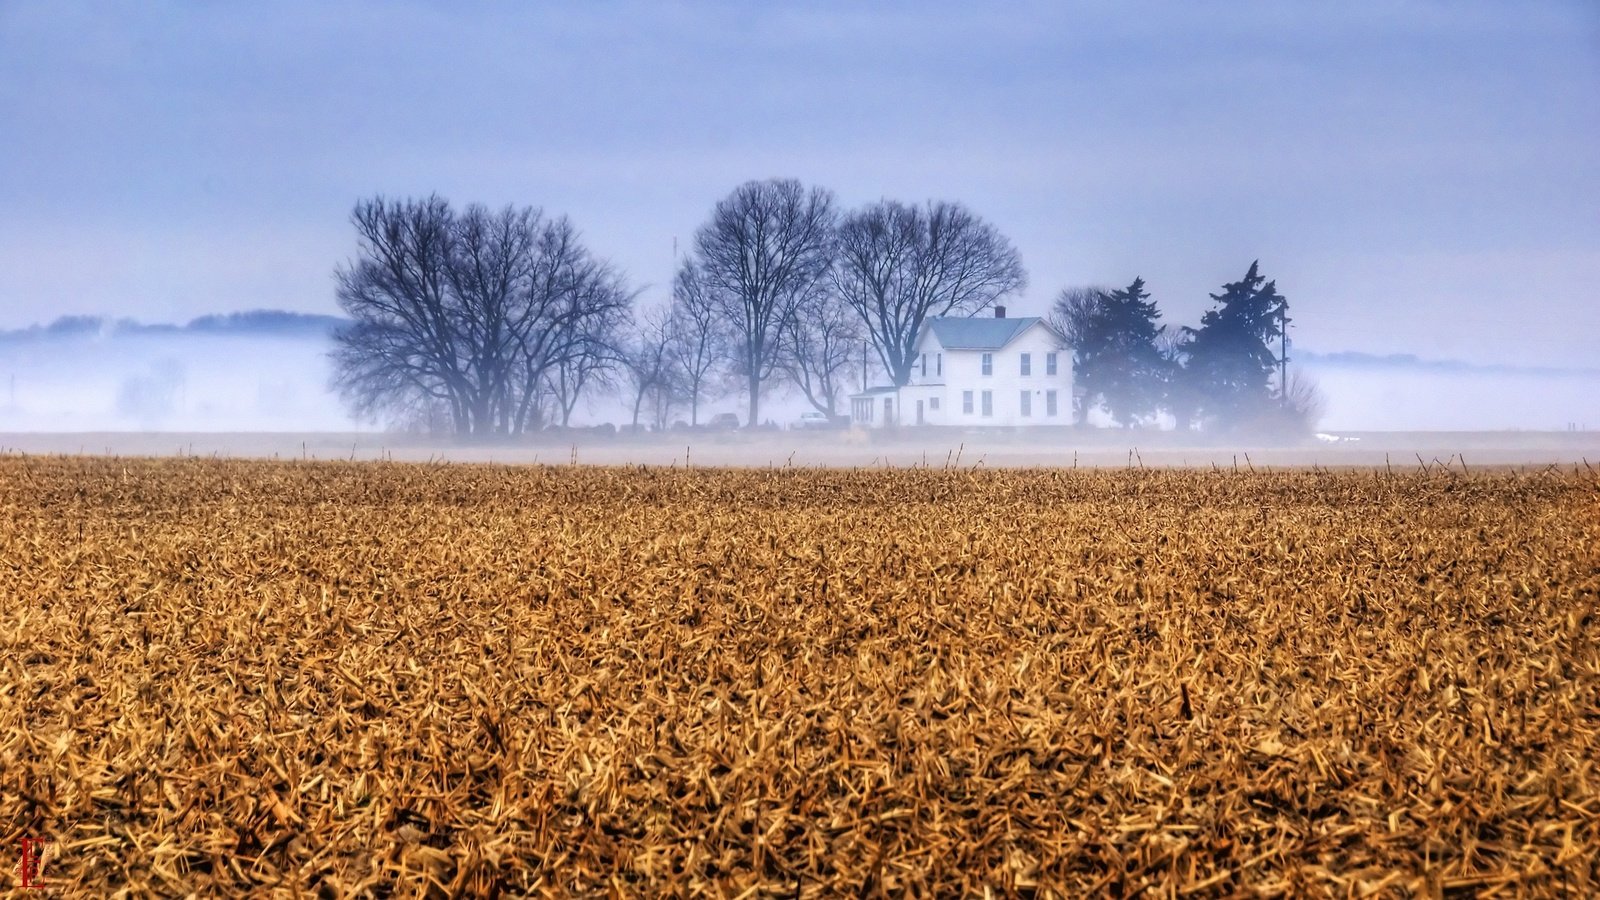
811	420
722	421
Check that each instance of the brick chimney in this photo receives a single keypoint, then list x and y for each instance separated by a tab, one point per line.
999	312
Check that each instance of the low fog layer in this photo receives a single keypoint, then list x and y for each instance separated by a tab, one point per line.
1406	396
188	381
168	383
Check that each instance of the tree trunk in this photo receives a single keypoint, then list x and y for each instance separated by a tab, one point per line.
530	392
638	400
902	371
482	422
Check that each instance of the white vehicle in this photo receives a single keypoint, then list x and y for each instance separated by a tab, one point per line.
813	419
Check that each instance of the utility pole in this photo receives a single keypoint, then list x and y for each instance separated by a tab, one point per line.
1283	353
863	367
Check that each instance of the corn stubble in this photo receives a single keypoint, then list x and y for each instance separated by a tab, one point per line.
365	679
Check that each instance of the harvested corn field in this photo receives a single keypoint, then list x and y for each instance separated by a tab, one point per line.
362	679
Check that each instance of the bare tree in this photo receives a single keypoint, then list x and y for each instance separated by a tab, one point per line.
468	311
1075	311
647	362
817	349
491	259
403	341
899	265
1076	316
699	335
591	364
762	254
1304	402
579	305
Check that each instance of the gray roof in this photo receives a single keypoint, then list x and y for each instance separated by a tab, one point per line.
961	333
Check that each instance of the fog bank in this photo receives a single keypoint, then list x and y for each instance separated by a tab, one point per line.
1432	398
156	382
252	377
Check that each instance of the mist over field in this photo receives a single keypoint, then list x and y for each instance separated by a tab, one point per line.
1409	395
102	377
244	376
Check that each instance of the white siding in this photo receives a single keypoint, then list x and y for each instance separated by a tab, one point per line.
934	385
964	371
950	372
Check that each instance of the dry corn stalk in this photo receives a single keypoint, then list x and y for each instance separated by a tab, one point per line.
238	678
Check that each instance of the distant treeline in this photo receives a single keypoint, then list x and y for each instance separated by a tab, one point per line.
1357	360
256	322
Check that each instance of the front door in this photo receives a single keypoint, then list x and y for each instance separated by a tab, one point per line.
919	412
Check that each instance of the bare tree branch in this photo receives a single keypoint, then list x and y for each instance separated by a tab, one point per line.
817	349
699	335
900	265
468	310
647	361
762	254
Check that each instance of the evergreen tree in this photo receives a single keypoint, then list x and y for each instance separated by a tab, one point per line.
1179	396
1118	360
1229	358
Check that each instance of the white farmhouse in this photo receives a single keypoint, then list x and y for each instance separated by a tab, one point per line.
977	372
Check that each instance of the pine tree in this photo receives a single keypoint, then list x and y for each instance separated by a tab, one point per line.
1230	360
1122	366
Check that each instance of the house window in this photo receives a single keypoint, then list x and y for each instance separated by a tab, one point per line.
988	403
1027	403
988	364
1050	364
1027	364
938	364
933	402
924	362
1050	401
966	402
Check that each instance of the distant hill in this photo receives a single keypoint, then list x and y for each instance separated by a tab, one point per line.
266	321
251	323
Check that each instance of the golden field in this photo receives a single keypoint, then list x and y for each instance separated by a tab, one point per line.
358	679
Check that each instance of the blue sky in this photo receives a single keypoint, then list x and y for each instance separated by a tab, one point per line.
1418	176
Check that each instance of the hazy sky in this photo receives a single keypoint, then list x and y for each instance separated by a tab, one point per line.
1418	177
